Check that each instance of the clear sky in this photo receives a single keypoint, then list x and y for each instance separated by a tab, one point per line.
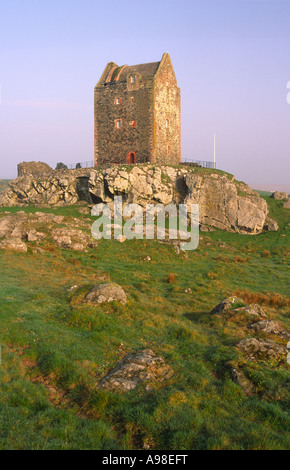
231	58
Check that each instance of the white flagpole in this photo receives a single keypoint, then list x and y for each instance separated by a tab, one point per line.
214	161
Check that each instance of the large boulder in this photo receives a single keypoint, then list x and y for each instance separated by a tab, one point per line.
279	195
105	293
36	169
223	205
136	368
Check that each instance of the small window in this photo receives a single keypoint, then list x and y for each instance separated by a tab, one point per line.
133	123
167	123
118	100
118	123
132	79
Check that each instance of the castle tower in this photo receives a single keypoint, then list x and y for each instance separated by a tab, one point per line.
137	114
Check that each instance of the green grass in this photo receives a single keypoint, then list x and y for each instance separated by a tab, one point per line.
264	193
55	349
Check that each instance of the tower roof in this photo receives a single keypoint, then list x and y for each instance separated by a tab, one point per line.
119	74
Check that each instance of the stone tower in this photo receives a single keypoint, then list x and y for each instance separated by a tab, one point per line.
137	114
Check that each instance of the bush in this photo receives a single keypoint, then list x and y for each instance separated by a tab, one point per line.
61	166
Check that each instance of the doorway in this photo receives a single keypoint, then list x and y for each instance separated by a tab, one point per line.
131	158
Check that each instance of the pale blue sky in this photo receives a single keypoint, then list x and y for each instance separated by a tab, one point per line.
231	58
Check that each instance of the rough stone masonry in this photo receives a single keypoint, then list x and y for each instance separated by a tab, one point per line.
137	114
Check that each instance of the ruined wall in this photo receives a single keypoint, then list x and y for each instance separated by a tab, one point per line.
167	145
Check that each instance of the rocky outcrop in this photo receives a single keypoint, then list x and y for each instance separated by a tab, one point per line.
235	305
262	349
252	319
223	202
35	169
137	368
271	327
72	238
19	228
58	188
229	303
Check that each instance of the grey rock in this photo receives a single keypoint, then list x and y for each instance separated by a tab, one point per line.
271	327
221	206
262	349
279	195
72	238
104	293
227	304
253	310
36	169
13	244
239	377
271	225
135	369
35	236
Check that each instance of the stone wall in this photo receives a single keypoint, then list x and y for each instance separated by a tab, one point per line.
114	144
167	149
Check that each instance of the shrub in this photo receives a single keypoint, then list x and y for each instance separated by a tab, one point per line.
61	166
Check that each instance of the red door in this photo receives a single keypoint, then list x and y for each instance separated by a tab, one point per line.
131	158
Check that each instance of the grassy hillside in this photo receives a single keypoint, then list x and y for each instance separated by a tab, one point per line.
55	349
